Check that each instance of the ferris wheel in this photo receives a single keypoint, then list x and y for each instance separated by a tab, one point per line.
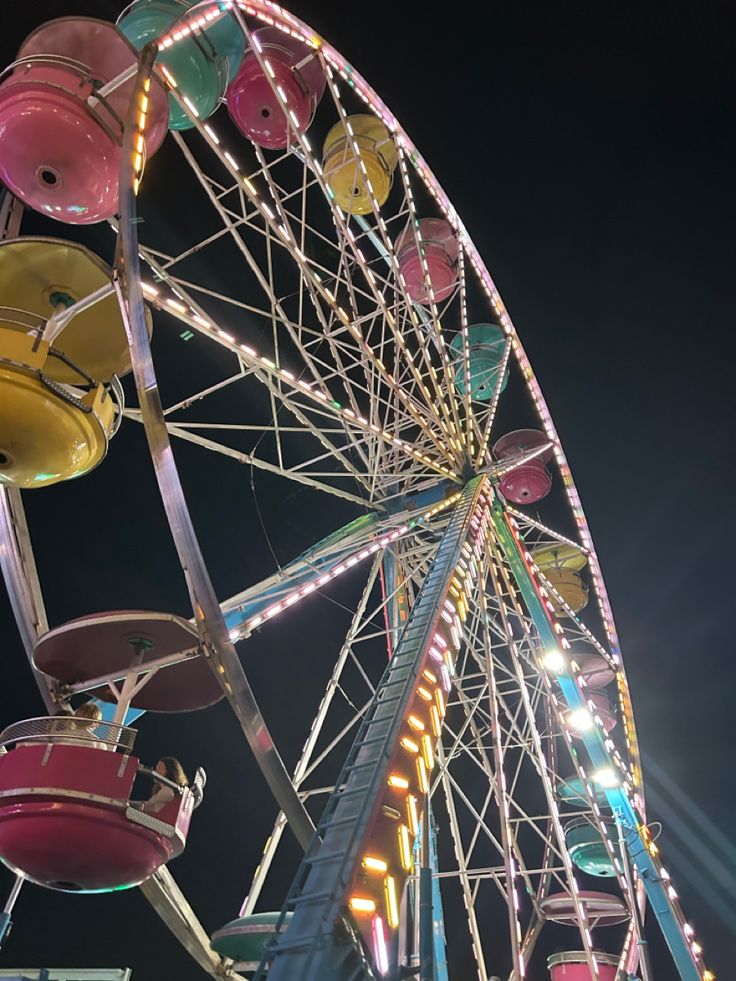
475	746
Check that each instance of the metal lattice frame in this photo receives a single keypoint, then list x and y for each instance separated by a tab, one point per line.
356	398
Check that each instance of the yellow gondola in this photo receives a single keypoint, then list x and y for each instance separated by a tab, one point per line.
561	565
48	432
43	276
377	153
56	412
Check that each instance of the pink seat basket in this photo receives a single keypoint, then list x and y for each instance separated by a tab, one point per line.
66	823
434	245
530	481
59	144
572	965
54	154
252	101
596	670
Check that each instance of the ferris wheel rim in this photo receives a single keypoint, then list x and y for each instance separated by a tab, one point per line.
262	9
272	14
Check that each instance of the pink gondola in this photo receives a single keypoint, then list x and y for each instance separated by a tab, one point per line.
66	816
252	102
530	481
432	244
572	965
602	708
59	139
596	670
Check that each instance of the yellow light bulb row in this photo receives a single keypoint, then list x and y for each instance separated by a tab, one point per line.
139	141
469	423
410	777
483	451
189	26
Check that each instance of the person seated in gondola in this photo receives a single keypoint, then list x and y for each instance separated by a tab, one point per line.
72	728
163	793
78	729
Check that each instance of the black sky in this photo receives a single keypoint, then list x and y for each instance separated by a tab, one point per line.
590	150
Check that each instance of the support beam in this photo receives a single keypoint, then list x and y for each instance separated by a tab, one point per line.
210	621
323	941
602	758
21	581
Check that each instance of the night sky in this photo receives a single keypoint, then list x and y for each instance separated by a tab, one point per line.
591	154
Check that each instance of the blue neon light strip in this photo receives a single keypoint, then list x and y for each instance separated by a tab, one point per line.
438	916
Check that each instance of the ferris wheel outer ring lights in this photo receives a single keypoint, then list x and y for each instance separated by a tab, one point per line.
202	65
252	102
45	439
54	154
79	844
573	966
348	176
433	245
101	48
486	346
103	643
34	273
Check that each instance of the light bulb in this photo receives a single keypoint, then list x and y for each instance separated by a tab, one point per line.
606	777
580	719
553	660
